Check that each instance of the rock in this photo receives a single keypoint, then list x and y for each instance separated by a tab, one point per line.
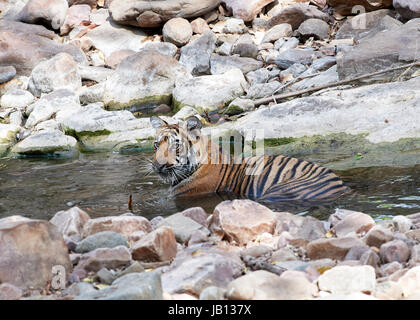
110	258
158	245
196	55
163	108
333	248
239	105
197	214
407	9
234	25
295	70
242	220
105	276
185	112
209	92
222	64
396	250
261	90
384	48
257	251
377	236
370	257
388	290
91	3
16	98
16	118
245	47
225	49
197	237
148	14
213	293
8	134
195	274
402	223
70	223
346	279
277	32
46	142
246	11
263	285
49	12
289	57
316	28
59	72
143	80
410	281
10	292
390	268
105	239
353	221
182	226
27	243
76	14
177	31
165	48
24	46
97	74
346	7
7	73
262	75
199	26
116	57
294	15
110	37
133	286
124	225
415	254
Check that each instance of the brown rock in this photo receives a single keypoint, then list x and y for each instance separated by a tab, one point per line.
125	225
353	222
242	220
246	10
199	26
158	245
162	108
29	251
197	214
75	16
10	292
345	7
116	57
334	248
377	236
396	250
70	222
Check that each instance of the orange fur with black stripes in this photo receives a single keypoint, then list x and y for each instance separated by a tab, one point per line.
193	166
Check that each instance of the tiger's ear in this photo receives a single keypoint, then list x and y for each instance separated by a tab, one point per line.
193	123
157	122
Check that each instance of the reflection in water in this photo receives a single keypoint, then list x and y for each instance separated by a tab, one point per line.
101	184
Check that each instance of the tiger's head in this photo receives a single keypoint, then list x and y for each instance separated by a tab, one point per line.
179	149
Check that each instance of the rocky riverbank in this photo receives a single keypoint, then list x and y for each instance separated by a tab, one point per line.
71	72
243	250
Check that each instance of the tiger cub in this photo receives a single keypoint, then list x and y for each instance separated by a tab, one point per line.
192	165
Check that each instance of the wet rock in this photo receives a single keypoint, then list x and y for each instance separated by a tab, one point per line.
234	25
357	222
19	255
158	245
70	222
148	14
129	86
46	142
197	214
316	28
345	7
333	248
49	12
182	226
213	293
402	223
199	26
25	45
346	279
133	286
263	285
10	292
294	15
196	55
59	72
221	64
105	239
16	98
242	220
289	57
245	47
246	11
277	32
210	92
7	73
377	236
396	250
407	9
110	258
75	16
115	58
177	31
410	281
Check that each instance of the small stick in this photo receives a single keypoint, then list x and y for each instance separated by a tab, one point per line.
130	203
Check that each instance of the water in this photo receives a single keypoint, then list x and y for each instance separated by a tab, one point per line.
101	184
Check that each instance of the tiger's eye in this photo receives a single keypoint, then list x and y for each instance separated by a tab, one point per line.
156	145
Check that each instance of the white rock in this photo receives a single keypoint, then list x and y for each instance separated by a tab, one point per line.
410	281
402	224
7	136
185	112
16	98
234	25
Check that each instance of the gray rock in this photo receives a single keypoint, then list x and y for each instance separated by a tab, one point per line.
213	293
177	31
225	49
291	56
70	223
16	98
245	47
196	55
261	90
407	9
278	32
165	48
133	286
7	73
313	28
377	236
221	64
92	94
105	276
10	292
291	43
234	25
296	265
51	12
396	250
105	239
240	105
295	70
262	75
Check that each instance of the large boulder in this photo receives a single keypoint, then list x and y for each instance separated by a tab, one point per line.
150	14
348	7
29	251
246	10
143	80
24	46
52	13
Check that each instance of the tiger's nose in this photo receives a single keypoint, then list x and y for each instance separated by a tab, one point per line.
158	167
